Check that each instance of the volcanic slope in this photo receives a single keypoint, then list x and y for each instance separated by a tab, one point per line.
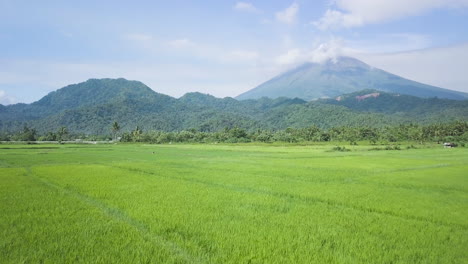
342	76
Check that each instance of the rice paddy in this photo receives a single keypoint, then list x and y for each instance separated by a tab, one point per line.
232	204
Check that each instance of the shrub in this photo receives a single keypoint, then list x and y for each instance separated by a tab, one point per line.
341	149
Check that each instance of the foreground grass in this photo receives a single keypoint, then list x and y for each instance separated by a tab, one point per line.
232	204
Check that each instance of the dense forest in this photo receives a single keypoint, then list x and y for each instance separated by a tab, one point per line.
455	132
89	109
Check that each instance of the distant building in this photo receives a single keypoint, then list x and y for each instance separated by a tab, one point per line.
449	145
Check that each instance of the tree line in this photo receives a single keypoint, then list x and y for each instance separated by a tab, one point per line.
443	132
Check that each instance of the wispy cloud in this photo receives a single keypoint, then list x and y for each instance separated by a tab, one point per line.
139	37
292	56
288	15
355	13
67	34
444	67
330	50
393	42
333	19
241	56
265	21
181	43
287	41
246	7
323	52
5	99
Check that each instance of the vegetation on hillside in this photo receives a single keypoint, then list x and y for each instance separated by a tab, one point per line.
90	108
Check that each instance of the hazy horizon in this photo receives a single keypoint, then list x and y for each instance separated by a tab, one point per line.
223	48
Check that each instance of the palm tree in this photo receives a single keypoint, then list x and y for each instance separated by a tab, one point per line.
136	134
62	132
115	129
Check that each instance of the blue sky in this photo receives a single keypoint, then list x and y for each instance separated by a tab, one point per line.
222	47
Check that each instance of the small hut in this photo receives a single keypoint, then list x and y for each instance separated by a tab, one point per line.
449	145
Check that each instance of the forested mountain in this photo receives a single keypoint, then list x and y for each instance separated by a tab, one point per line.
345	75
91	93
399	104
92	106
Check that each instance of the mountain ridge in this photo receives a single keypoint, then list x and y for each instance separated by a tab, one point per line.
154	111
311	81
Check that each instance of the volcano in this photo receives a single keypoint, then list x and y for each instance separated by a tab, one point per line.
342	76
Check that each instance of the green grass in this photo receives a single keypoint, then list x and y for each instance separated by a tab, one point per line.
232	204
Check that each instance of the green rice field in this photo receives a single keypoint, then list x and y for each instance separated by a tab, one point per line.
232	204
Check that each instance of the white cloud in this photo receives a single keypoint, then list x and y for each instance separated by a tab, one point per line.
180	43
5	99
333	19
292	56
288	15
328	51
245	6
354	13
185	48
